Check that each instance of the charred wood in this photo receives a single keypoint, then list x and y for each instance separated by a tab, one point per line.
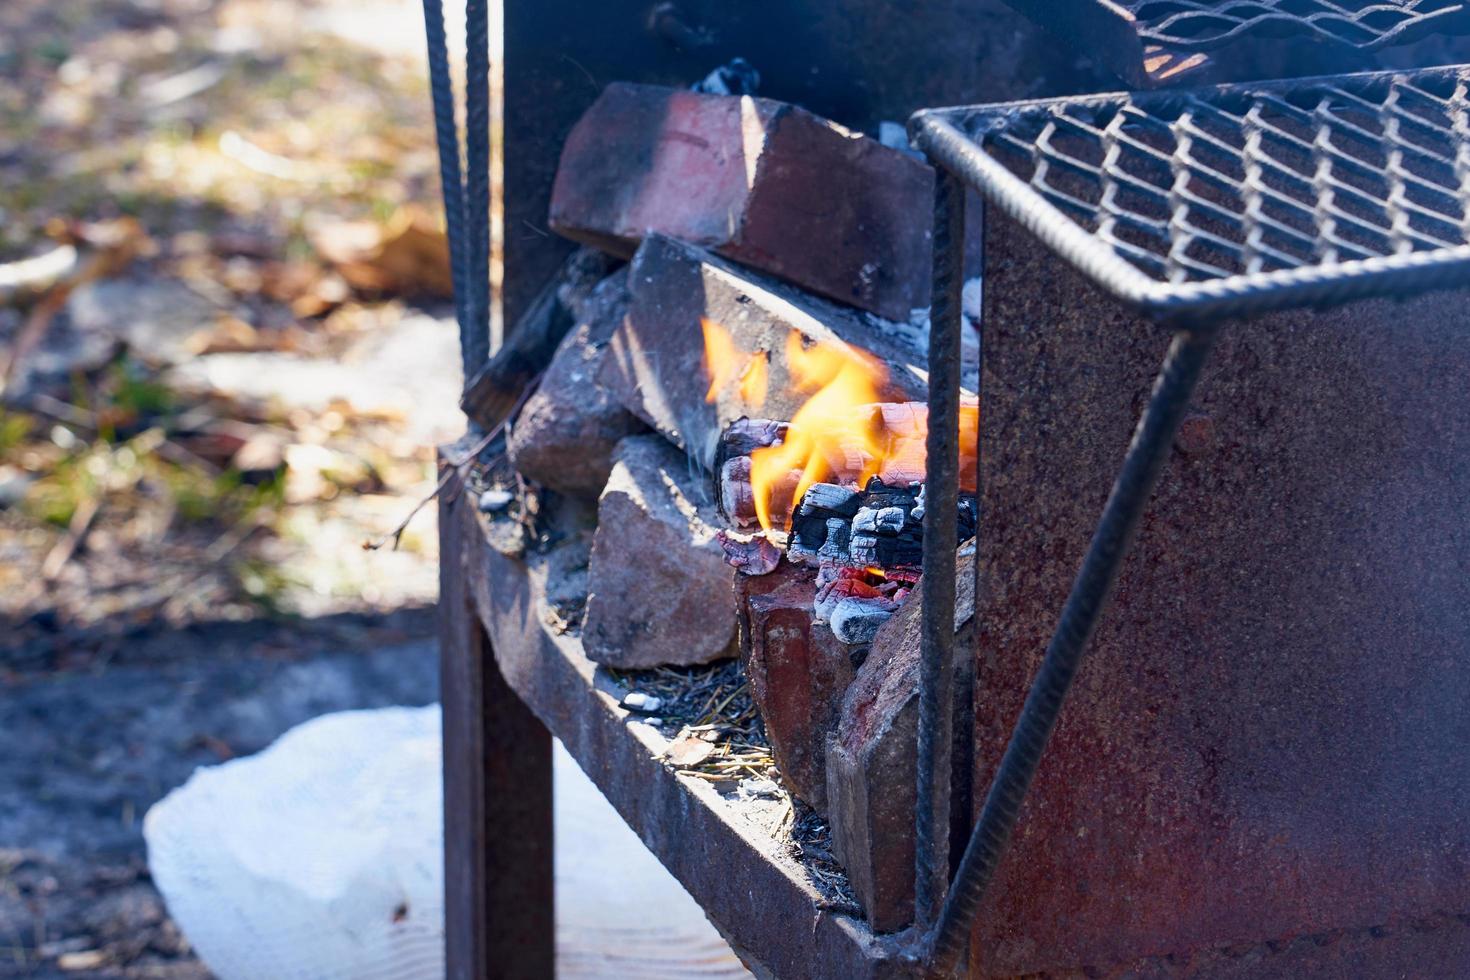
492	392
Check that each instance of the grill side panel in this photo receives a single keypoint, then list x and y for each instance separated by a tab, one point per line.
1267	738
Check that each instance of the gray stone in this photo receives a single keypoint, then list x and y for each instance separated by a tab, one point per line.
566	432
660	591
656	363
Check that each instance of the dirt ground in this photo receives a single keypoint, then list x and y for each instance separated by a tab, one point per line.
234	384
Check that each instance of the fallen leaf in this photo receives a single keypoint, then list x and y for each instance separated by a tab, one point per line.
87	959
407	255
688	750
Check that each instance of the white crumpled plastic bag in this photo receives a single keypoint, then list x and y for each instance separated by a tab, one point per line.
318	858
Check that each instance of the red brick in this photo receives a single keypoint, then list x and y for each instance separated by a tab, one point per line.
798	673
762	182
872	759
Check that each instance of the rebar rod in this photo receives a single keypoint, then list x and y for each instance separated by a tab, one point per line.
1141	467
477	183
451	181
941	503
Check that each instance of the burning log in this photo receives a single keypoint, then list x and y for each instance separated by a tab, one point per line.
895	451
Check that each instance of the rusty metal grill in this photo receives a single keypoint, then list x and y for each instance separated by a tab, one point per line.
1193	207
1157	43
1236	190
1197	25
1211	185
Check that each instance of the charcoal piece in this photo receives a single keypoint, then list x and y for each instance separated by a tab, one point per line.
837	500
839	538
744	436
857	620
880	526
750	554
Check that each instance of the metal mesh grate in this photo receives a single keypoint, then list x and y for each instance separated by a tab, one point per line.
1242	180
1196	25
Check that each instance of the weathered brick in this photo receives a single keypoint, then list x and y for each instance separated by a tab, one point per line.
872	758
656	363
762	182
565	434
659	589
798	673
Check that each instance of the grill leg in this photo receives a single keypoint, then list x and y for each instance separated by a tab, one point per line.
1151	440
499	918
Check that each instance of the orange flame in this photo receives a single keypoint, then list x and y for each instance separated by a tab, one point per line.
720	358
724	363
828	434
842	433
754	380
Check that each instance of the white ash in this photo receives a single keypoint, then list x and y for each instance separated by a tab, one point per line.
874	519
645	703
971	295
753	787
493	501
857	620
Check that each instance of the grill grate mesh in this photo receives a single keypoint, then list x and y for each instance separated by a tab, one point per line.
1198	25
1250	179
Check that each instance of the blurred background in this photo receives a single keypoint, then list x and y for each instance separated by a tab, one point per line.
226	355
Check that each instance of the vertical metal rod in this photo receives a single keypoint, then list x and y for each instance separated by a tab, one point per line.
477	183
446	135
1151	440
962	792
941	503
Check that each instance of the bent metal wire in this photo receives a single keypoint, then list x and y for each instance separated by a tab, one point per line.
1191	207
1201	25
1154	43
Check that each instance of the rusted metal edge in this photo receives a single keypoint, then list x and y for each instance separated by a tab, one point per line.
738	875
